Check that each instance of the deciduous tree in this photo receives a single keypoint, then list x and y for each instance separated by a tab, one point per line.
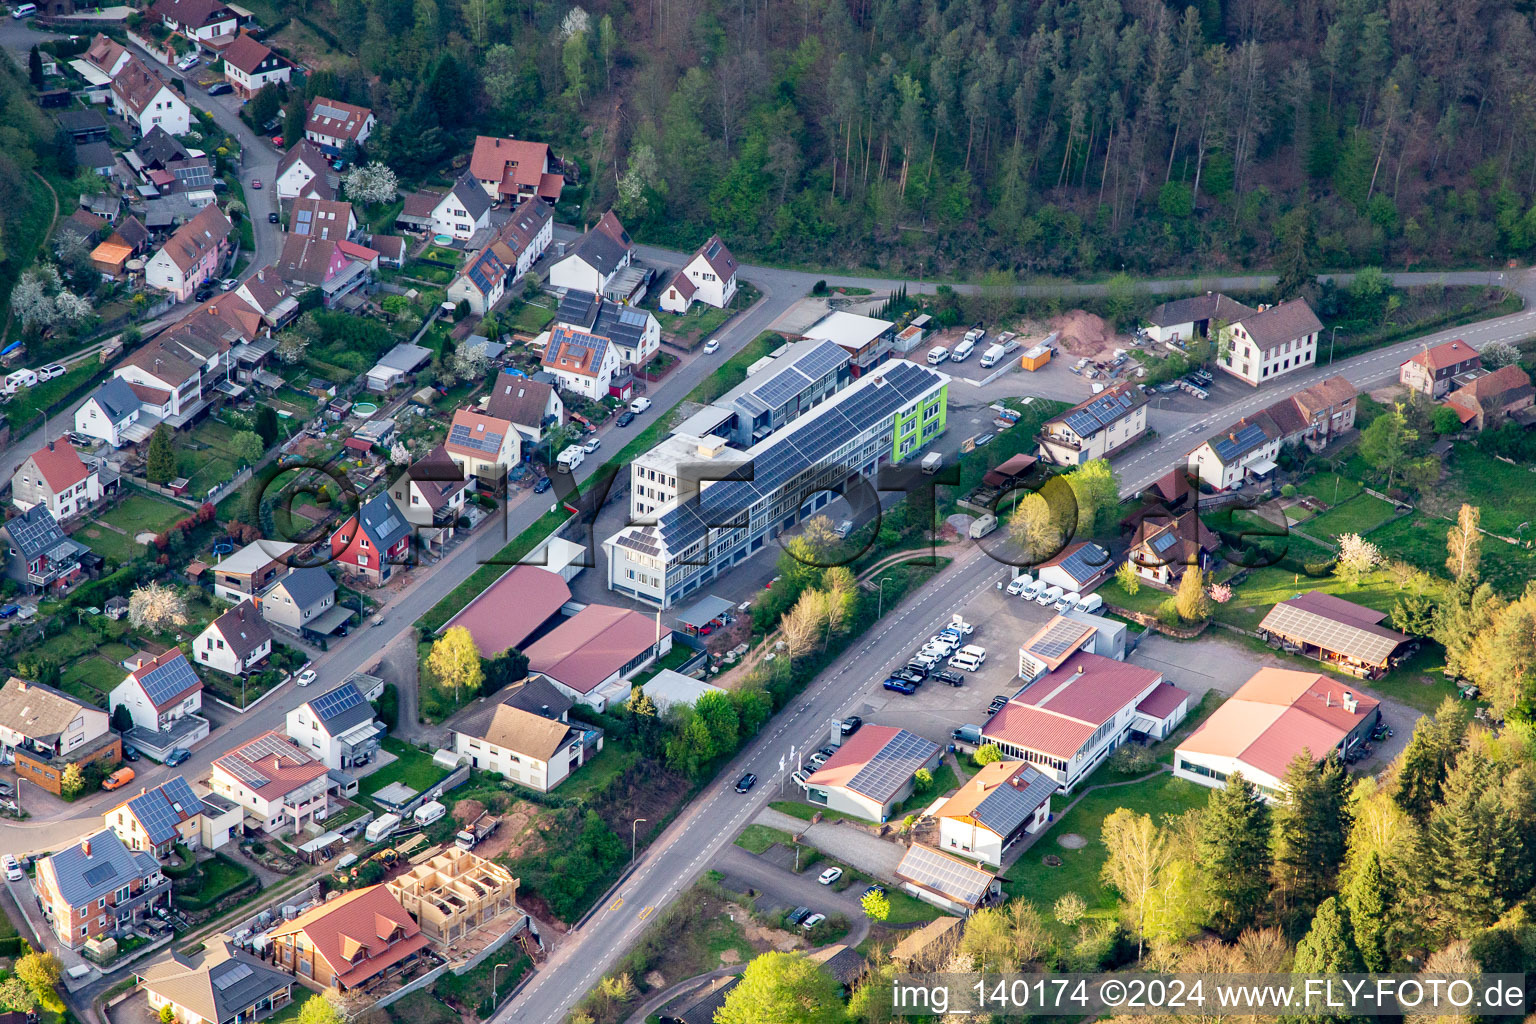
1137	853
156	607
316	1010
1464	544
782	988
455	662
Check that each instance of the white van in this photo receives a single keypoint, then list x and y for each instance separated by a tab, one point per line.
937	355
427	813
1019	585
963	350
20	379
992	356
1034	590
969	658
570	459
24	11
1068	600
1050	596
639	405
1091	603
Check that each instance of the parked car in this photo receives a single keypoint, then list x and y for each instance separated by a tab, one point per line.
13	872
818	759
9	610
829	751
912	676
851	724
830	875
229	284
844	528
277	140
639	405
51	371
1017	586
543	485
273	218
873	887
256	184
799	914
746	782
130	752
1050	597
220	88
900	686
81	440
813	921
187	63
951	677
176	756
625	419
1068	600
711	346
306	677
120	778
592	444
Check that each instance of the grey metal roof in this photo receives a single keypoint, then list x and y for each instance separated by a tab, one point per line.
308	586
110	865
405	357
341	709
468	191
161	809
116	399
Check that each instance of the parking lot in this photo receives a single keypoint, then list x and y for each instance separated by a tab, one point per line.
1002	623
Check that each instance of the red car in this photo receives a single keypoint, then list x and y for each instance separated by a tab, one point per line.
255	183
277	140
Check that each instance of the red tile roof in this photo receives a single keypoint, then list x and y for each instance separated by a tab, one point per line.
592	645
1501	386
246	53
335	119
60	465
514	164
509	610
285	766
1059	712
1163	701
1446	355
359	933
196	237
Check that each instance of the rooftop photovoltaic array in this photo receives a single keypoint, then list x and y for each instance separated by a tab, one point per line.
1100	413
1231	445
943	874
1006	807
1163	541
233	976
892	766
485	441
326	110
100	873
1062	636
342	699
1086	562
1371	647
243	771
157	811
168	680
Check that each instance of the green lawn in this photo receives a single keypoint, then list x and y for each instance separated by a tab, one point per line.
1160	796
701	321
1505	493
1420	540
1145	600
757	838
1252	599
1330	488
92	678
805	812
140	512
412	767
1360	514
530	318
474	989
599	773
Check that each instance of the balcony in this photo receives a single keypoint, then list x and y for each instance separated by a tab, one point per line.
1061	441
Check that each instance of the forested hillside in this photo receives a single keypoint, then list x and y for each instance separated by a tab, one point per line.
1042	137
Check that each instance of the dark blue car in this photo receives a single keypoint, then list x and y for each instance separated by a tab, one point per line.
542	486
900	686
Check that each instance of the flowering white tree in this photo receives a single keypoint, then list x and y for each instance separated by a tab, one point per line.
1500	353
399	454
291	346
576	20
470	361
156	607
40	300
371	183
70	308
1357	556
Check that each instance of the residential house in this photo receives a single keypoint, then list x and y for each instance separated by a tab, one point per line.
391	249
431	493
1001	804
38	557
416	212
223	986
1068	721
46	730
199	20
192	255
871	772
98	887
1430	371
281	787
481	283
483	447
524	238
867	340
1166	547
309	261
594	262
236	642
455	894
634	333
109	413
337	727
1184	320
1270	342
164	696
462	210
54	477
525	734
524	602
1096	428
1275	715
299	169
373	541
1078	567
516	170
322	218
333	124
1326	410
270	296
584	363
1345	636
158	819
96	157
84	126
346	942
250	65
531	406
1489	398
146	101
106	55
947	882
155	151
1245	450
592	655
300	600
708	277
251	570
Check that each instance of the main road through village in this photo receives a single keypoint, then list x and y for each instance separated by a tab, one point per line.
683	851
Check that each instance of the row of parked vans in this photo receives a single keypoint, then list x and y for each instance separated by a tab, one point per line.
1053	597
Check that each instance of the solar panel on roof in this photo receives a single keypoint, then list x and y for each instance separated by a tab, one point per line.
1086	562
98	874
343	698
1163	541
1329	634
244	772
893	765
1232	445
821	360
233	976
944	874
1060	638
481	441
172	678
1007	806
634	317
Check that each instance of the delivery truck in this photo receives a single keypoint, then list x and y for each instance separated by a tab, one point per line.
931	462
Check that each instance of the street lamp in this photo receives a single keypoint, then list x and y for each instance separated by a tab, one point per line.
1330	344
632	826
880	604
494	1001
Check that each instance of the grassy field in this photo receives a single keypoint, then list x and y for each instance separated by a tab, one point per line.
92	678
473	990
413	767
1252	599
530	318
1160	796
28	403
1330	488
701	321
140	512
1505	493
599	773
1420	540
1360	514
757	838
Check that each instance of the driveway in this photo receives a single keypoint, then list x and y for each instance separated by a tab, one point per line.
842	842
788	890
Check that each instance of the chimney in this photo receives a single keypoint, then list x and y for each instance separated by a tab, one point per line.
1350	704
981	786
85	847
50	446
21	685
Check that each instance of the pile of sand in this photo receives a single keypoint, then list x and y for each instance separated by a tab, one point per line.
467	810
1081	333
